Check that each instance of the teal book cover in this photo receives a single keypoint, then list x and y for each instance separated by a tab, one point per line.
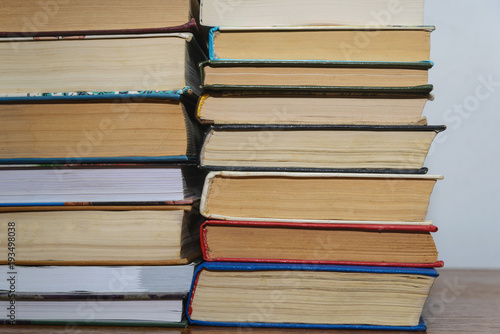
102	127
321	43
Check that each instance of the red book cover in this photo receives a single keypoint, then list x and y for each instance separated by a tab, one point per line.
190	26
287	257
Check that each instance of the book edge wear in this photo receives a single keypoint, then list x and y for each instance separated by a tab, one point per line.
172	95
232	266
213	174
215	30
363	227
176	96
420	327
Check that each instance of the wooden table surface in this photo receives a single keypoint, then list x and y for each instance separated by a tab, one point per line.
461	301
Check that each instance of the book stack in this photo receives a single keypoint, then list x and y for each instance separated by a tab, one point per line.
317	193
98	208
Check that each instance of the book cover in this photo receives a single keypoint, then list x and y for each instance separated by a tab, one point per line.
317	197
126	184
189	26
75	323
231	147
96	295
100	310
162	236
297	107
100	127
95	17
94	63
342	52
207	248
119	282
291	64
304	268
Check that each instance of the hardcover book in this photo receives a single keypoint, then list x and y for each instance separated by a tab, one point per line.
98	185
317	197
255	13
309	296
45	281
349	244
311	107
98	128
322	43
160	235
24	18
327	147
117	310
89	295
315	76
95	63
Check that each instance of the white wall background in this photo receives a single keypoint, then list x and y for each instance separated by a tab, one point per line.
466	205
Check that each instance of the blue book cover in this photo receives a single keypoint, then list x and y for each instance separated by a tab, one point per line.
301	269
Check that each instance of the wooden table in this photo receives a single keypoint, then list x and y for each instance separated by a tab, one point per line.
461	301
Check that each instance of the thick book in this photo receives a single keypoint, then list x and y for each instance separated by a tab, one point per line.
348	147
322	43
90	295
311	107
24	18
309	296
95	63
318	197
255	13
347	244
107	236
98	128
98	185
329	76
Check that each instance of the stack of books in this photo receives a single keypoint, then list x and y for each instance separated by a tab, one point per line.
98	207
317	195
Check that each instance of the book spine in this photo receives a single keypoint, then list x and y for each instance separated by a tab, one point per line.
211	36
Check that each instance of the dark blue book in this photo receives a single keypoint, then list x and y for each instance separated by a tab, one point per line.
309	296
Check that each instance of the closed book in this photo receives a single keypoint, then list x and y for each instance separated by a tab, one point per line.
118	310
309	296
289	106
328	147
90	295
349	244
324	76
128	236
22	18
99	63
254	13
317	197
86	281
322	43
98	184
98	128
